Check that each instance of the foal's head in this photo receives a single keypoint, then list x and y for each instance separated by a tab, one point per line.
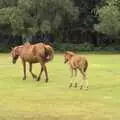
15	53
68	55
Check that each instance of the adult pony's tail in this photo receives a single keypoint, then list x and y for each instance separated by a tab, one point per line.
49	53
86	65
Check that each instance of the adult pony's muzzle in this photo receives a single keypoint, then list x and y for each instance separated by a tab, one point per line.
14	59
65	61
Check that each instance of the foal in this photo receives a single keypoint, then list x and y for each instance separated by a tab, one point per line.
37	53
77	62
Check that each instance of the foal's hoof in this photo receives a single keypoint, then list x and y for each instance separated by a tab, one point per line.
81	87
70	85
86	88
75	85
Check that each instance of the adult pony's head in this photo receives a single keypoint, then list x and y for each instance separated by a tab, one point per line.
68	55
15	53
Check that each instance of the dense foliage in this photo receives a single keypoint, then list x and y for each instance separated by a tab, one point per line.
27	17
76	21
109	16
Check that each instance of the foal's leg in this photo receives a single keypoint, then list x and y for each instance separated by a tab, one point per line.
30	70
71	69
70	85
84	81
75	78
24	69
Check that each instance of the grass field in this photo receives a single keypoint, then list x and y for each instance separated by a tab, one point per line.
31	100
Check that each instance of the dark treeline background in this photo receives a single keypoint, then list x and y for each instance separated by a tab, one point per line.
94	22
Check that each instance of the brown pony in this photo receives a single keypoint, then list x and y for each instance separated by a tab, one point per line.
37	53
76	62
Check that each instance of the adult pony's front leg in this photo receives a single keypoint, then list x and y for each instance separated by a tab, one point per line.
30	70
24	70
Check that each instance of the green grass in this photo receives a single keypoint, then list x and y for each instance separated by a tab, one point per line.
31	100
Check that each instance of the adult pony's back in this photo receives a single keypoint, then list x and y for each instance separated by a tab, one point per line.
37	53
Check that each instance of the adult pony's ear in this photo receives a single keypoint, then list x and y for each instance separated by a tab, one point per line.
11	48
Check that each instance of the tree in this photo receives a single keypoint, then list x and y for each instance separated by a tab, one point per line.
109	16
26	17
80	30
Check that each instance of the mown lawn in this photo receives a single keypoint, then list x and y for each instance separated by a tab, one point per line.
31	100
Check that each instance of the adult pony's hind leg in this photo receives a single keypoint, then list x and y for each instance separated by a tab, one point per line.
46	73
38	79
30	70
24	69
43	68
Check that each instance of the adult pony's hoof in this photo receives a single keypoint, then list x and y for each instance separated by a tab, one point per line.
38	79
24	78
35	77
46	80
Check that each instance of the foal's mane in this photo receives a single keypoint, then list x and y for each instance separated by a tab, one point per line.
70	53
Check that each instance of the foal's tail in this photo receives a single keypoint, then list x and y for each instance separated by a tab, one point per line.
86	65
